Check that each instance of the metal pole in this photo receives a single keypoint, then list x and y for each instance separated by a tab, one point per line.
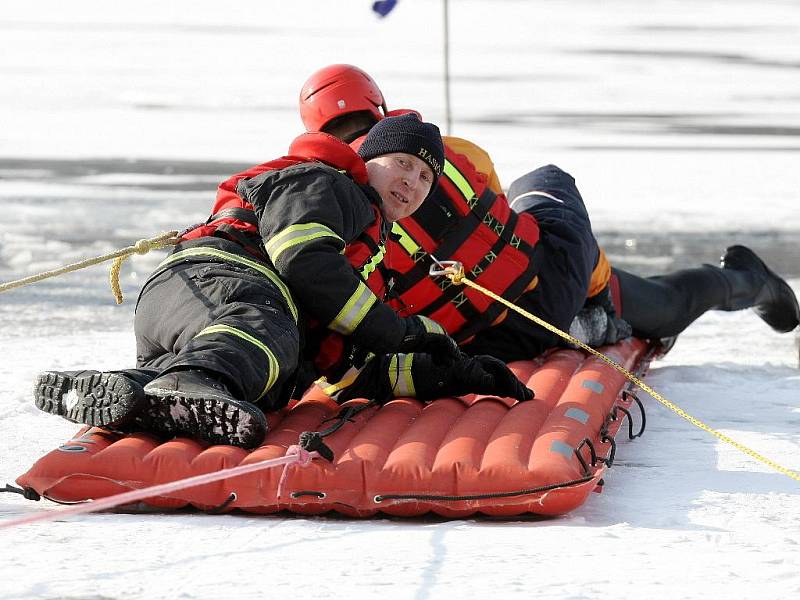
446	53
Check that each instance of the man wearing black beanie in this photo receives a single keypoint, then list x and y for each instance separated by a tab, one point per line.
283	284
404	158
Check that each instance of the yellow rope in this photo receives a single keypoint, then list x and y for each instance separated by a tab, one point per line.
169	238
456	274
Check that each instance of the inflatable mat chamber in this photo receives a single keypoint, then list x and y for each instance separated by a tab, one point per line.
453	457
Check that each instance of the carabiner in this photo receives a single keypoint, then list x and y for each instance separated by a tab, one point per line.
445	267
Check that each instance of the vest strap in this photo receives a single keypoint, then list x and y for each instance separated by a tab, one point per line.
241	214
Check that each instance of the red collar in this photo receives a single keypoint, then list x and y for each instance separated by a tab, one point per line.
332	151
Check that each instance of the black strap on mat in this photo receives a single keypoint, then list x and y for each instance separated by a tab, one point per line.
27	493
311	441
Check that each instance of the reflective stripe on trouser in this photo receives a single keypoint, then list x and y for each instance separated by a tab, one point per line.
272	362
235	259
221	318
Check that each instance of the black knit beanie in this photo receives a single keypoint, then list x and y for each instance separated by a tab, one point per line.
407	134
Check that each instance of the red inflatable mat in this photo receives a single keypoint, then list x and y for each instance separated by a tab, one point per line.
454	457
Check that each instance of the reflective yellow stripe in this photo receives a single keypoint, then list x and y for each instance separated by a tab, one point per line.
345	382
430	325
235	258
330	390
373	263
297	234
408	244
400	375
347	379
354	310
405	240
272	362
458	179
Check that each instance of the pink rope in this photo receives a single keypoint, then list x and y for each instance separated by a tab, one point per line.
303	459
292	456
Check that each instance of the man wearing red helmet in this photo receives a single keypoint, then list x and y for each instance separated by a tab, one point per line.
566	278
276	289
469	220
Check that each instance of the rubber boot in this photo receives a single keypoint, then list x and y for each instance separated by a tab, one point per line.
89	397
753	285
197	404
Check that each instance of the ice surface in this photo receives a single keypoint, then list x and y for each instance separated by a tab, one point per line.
679	120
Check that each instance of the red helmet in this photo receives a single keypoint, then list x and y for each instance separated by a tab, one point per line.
337	90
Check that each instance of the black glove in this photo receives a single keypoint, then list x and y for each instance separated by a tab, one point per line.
477	374
371	383
426	335
417	375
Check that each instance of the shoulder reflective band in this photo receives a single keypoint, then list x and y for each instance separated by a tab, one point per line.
273	368
298	234
405	240
454	175
354	310
235	258
400	378
373	263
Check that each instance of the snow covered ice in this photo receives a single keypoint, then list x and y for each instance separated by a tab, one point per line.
680	121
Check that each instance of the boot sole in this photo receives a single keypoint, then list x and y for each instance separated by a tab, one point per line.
99	400
217	420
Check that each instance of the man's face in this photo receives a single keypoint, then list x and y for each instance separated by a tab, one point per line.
402	181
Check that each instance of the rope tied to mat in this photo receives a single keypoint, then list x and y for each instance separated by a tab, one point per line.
294	455
302	458
310	443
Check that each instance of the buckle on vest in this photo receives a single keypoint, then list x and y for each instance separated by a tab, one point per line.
445	267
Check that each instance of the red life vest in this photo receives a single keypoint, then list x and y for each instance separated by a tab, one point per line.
466	221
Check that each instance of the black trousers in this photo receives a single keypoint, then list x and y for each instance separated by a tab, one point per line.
567	254
665	305
656	307
221	317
